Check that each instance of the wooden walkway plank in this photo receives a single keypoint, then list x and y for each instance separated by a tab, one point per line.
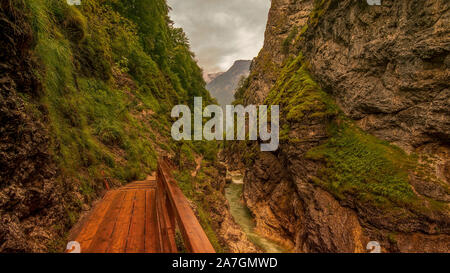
102	238
122	228
90	229
151	240
195	238
135	242
138	188
167	231
142	217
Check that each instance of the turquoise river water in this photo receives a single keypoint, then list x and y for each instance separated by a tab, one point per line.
243	217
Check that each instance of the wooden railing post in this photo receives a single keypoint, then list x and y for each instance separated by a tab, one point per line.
174	209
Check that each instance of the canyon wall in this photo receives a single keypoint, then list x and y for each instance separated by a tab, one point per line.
265	69
364	151
31	200
85	97
387	67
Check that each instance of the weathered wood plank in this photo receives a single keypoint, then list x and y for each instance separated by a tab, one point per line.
142	217
93	222
164	224
120	234
135	242
102	238
194	236
151	240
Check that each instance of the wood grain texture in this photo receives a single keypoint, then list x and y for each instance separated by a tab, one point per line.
142	217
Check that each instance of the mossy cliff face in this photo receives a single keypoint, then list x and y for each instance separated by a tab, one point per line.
86	94
339	180
30	198
265	68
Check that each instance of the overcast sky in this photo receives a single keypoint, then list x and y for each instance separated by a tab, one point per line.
222	31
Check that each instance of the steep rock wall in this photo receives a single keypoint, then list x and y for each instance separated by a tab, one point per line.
332	187
283	14
30	199
387	66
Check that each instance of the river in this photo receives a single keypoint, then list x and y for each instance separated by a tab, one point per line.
243	217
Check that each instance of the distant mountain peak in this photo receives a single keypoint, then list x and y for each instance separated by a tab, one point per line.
241	61
223	86
209	77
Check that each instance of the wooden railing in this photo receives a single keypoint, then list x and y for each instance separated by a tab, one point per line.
174	211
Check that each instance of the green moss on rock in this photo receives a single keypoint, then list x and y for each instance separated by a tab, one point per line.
359	164
299	95
354	162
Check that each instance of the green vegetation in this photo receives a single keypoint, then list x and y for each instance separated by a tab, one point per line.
111	72
299	95
355	163
199	190
102	65
204	218
364	166
243	85
320	7
287	42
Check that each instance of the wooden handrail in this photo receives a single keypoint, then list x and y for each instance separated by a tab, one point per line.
174	209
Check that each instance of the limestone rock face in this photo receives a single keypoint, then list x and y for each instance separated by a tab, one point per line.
387	68
283	15
212	190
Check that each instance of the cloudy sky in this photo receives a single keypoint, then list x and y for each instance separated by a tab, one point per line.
222	31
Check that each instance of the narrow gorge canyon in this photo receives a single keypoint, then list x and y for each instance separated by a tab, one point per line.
86	98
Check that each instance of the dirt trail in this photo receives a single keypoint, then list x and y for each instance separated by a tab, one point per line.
198	162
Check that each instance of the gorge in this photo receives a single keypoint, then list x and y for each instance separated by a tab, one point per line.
86	94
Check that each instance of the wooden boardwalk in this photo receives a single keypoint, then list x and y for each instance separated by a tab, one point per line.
142	218
125	221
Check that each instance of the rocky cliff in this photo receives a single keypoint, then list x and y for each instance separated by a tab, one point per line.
364	153
387	67
283	17
30	198
206	189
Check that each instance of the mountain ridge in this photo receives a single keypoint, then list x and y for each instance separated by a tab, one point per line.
224	85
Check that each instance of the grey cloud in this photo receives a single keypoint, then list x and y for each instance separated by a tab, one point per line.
222	31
